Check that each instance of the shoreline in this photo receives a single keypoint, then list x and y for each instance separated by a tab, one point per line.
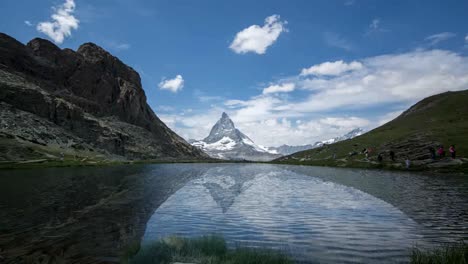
437	170
43	163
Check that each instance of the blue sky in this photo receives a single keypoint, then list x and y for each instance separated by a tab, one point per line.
314	70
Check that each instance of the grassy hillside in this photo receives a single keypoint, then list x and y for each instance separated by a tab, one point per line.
437	120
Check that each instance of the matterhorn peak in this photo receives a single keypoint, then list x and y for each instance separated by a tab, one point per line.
226	120
225	141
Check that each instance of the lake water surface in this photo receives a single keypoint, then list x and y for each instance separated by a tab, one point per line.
317	215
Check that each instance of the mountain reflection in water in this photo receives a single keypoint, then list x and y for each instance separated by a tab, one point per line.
311	213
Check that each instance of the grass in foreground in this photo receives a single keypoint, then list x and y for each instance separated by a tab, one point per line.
451	254
203	250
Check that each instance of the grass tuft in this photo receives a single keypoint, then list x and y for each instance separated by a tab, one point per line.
203	250
450	254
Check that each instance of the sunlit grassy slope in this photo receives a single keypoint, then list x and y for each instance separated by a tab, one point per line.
439	119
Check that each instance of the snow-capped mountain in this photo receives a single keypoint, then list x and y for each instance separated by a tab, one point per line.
287	150
225	141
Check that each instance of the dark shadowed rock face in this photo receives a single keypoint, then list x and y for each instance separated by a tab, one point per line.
89	94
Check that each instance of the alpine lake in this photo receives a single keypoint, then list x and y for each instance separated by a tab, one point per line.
313	214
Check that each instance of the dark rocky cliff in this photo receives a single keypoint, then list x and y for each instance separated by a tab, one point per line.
84	103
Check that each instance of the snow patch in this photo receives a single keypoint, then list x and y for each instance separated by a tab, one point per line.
226	143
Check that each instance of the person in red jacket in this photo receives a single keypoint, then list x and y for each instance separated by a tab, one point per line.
452	151
441	152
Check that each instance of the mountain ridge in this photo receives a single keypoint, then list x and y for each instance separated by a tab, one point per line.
92	101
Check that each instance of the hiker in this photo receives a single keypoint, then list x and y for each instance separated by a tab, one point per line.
407	162
441	151
368	152
392	155
452	151
433	152
379	157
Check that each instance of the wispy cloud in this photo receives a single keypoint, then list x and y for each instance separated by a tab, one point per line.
279	88
375	26
337	41
207	98
258	38
317	110
63	21
165	108
440	37
28	23
332	68
119	46
173	85
349	2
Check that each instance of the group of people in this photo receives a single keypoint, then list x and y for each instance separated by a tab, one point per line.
441	152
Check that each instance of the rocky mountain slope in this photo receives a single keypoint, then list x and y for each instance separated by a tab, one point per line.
437	120
225	141
287	149
86	104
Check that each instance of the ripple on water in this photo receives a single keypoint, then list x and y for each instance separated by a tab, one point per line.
265	206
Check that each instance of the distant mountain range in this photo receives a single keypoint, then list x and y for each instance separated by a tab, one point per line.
287	149
225	141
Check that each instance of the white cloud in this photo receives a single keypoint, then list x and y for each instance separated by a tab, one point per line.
320	110
62	22
280	88
28	23
258	38
267	130
374	25
440	37
337	41
332	68
173	85
348	122
395	78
